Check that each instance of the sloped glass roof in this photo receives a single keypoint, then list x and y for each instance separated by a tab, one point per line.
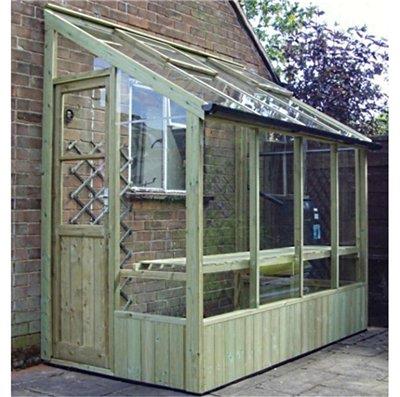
210	78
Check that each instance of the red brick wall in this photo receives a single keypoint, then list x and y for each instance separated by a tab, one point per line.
209	25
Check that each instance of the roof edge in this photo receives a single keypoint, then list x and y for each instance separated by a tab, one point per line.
259	47
214	109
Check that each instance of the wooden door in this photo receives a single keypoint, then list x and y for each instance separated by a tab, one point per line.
80	287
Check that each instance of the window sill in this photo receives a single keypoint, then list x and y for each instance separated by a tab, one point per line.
167	196
142	195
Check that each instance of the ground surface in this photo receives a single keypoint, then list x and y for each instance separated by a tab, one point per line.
357	366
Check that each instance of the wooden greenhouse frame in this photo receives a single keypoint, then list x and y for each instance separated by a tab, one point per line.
194	353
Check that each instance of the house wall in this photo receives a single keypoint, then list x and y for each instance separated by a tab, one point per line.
190	22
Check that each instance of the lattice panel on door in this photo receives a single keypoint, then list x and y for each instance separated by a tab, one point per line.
85	194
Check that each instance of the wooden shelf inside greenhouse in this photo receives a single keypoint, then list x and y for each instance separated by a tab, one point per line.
273	259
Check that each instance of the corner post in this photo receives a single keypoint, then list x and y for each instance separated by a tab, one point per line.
334	165
254	217
363	223
194	254
113	169
298	189
50	70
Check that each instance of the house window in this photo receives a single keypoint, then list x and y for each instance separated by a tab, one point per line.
157	128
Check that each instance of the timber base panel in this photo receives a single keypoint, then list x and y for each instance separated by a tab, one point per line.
151	349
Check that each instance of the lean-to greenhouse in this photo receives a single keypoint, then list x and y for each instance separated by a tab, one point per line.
258	249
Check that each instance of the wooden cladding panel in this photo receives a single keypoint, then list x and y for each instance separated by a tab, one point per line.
240	346
82	314
152	350
149	351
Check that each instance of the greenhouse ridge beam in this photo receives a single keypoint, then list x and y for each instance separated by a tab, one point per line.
214	109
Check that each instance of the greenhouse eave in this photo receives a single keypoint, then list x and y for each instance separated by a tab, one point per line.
217	110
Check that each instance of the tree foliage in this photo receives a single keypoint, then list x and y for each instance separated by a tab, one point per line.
274	20
332	69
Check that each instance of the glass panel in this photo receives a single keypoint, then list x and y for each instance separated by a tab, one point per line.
156	128
152	296
276	191
165	49
84	121
317	193
347	196
317	275
226	216
84	193
225	189
277	281
152	228
158	65
256	95
287	104
317	211
349	269
146	127
219	294
72	58
176	154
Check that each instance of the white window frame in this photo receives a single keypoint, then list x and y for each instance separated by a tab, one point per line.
167	122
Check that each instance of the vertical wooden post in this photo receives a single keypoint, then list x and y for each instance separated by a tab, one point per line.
241	192
334	163
113	167
363	223
50	71
298	202
194	254
358	217
254	217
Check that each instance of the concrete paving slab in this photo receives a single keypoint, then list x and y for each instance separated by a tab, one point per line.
357	366
358	386
298	381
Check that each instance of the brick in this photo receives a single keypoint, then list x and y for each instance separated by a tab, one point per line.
20	55
30	45
26	316
20	67
34	326
15	18
19	329
26	304
26	267
19	279
28	93
23	8
29	117
32	23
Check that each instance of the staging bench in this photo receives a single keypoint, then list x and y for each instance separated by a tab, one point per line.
175	268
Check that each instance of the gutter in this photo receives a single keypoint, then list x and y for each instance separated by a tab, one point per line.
259	47
214	109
